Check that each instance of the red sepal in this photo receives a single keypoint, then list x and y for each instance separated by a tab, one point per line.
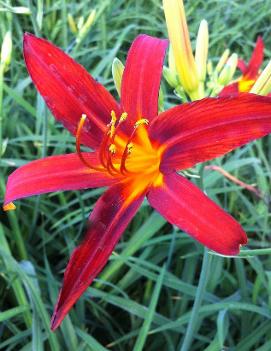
205	129
186	206
141	78
111	215
54	173
68	89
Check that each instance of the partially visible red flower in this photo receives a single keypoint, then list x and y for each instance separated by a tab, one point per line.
136	152
250	72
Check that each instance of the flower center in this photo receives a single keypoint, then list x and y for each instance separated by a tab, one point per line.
122	155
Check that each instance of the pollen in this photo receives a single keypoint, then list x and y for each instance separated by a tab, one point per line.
130	147
112	148
123	117
113	118
140	122
9	207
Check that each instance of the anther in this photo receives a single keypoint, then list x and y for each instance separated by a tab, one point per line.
130	147
113	118
9	207
112	148
123	117
141	122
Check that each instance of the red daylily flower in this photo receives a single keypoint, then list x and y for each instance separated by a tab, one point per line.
250	72
136	152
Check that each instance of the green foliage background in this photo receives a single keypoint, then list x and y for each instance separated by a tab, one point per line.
144	297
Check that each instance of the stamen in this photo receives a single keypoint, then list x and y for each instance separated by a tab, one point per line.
78	147
109	135
113	117
112	148
103	147
123	117
129	145
105	156
141	122
112	124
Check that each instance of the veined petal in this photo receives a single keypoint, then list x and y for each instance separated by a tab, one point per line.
141	78
256	60
202	130
68	89
186	206
54	173
111	215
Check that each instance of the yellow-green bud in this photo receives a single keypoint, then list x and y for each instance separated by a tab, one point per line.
83	31
6	50
228	71
262	85
117	72
223	59
72	24
201	53
171	77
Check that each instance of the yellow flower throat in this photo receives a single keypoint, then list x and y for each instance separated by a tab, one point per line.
123	156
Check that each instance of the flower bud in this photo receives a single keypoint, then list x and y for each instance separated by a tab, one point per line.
181	45
170	77
72	24
86	26
223	59
6	50
262	85
228	71
117	72
201	53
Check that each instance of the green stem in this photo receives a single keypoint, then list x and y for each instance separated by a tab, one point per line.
192	325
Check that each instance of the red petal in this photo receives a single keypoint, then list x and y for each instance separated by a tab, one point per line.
241	65
64	172
186	206
142	77
68	89
256	60
111	215
205	129
230	90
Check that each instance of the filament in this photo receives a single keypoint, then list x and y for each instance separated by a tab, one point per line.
78	144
